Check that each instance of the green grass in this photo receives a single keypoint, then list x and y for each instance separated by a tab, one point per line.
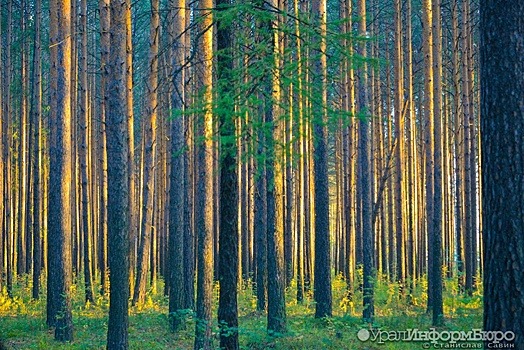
22	320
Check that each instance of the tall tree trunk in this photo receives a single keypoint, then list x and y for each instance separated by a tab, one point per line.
322	281
37	161
390	190
3	158
399	150
204	215
412	184
117	180
468	229
260	207
301	189
457	148
133	208
60	220
75	185
177	167
84	135
502	120
105	15
275	207
150	143
9	207
21	249
436	246
228	212
429	146
366	178
189	210
288	209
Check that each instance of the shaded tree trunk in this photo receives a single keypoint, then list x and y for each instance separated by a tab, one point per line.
37	161
436	247
322	281
117	180
177	168
276	316
502	120
229	194
365	164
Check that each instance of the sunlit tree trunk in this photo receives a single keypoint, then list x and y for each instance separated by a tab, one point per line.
3	158
411	151
4	197
149	160
60	219
104	9
348	153
133	207
390	190
83	137
204	206
21	233
76	199
300	191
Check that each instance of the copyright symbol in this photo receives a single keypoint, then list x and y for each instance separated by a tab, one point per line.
426	345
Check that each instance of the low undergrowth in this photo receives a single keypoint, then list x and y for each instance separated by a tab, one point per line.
22	320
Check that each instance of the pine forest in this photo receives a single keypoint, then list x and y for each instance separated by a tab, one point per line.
261	174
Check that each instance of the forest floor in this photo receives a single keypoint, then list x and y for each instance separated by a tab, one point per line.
22	321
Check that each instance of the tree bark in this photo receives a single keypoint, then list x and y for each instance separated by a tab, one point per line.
276	316
60	219
84	136
436	247
204	213
429	146
133	207
322	281
3	157
229	194
502	122
117	180
366	178
177	168
105	15
37	161
149	161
